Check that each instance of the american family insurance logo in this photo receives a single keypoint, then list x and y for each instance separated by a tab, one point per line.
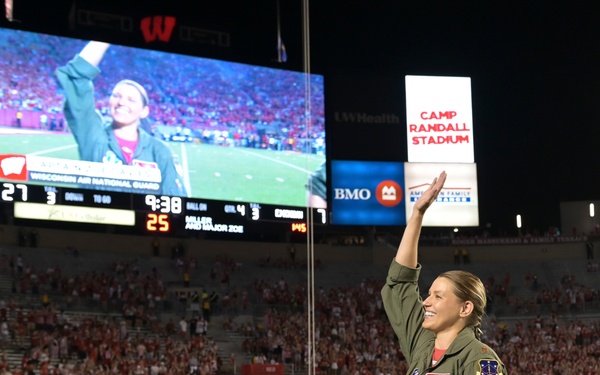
13	167
446	195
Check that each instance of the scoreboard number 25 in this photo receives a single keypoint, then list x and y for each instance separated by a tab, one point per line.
157	222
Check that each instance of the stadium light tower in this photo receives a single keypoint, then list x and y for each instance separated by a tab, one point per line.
519	224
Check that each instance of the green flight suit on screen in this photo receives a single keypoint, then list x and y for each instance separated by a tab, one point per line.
96	140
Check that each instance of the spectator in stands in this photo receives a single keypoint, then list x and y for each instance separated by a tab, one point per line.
441	332
123	141
155	247
589	250
19	118
20	264
43	121
206	306
465	255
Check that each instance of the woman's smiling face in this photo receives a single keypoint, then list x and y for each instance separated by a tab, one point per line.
126	104
442	307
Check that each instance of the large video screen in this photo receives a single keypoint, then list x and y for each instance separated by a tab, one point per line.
87	114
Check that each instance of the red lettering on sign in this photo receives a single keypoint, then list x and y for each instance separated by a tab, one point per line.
438	115
414	128
448	139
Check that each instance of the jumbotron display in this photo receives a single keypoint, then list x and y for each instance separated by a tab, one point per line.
168	139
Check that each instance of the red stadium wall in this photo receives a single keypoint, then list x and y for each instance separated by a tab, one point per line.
30	119
262	369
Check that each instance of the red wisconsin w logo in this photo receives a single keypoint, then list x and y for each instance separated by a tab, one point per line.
157	27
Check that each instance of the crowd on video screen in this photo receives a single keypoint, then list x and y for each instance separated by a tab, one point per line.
196	98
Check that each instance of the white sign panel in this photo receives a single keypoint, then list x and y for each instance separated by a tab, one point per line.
77	214
456	205
439	119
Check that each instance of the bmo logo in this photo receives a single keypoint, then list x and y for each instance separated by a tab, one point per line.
367	193
352	194
388	193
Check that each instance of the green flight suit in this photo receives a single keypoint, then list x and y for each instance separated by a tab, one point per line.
403	305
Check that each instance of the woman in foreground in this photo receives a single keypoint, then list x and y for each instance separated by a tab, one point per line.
441	334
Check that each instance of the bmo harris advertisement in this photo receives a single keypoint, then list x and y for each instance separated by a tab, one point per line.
367	193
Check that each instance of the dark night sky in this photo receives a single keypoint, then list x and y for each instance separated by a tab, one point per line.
535	85
534	65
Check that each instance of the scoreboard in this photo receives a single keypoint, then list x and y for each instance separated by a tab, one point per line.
243	157
148	213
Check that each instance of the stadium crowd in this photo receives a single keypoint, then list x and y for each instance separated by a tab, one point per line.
120	332
57	343
531	335
352	337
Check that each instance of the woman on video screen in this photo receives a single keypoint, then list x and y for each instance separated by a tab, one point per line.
122	141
